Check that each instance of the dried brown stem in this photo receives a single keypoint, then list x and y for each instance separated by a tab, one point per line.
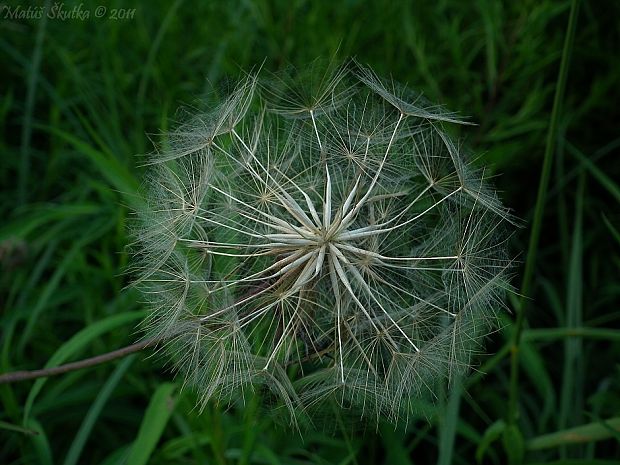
16	376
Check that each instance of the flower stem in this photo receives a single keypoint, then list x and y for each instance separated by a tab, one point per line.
538	212
16	376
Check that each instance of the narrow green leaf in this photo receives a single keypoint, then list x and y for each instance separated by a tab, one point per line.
534	366
395	451
594	431
47	292
250	431
114	172
351	447
571	400
531	262
26	133
614	232
118	457
550	334
492	434
153	424
596	172
513	444
75	345
577	462
93	413
176	448
268	455
38	217
148	67
41	444
18	429
448	424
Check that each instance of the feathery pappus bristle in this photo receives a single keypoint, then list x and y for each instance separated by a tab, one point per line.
319	236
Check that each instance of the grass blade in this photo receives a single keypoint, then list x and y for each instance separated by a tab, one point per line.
153	424
33	77
614	232
596	172
530	262
41	444
448	425
93	413
117	175
571	402
594	431
18	429
75	345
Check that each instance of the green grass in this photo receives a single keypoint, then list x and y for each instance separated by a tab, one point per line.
80	101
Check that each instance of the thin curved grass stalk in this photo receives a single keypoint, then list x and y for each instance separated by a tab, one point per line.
319	237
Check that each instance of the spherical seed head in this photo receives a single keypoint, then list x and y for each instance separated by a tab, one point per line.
327	242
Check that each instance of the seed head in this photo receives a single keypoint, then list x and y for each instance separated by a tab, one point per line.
320	237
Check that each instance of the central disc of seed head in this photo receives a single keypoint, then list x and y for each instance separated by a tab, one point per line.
315	240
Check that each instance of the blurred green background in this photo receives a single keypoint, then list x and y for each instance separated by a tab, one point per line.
82	98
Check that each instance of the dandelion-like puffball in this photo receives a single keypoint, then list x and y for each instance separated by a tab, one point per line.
319	238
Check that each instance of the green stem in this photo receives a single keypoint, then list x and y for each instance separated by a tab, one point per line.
561	333
538	213
542	334
595	431
26	134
